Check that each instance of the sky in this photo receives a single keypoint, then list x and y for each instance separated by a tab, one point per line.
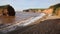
19	5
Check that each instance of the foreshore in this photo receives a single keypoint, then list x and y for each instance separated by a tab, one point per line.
27	21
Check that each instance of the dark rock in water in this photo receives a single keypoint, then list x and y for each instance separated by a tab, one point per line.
7	10
1	24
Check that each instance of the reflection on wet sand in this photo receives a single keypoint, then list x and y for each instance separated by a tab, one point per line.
20	16
7	19
21	19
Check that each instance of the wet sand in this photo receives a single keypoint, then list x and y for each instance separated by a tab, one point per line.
51	26
7	22
20	16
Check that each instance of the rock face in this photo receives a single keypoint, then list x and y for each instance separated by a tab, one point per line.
48	11
34	10
7	10
53	10
56	9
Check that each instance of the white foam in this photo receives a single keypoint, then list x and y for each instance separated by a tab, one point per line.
31	21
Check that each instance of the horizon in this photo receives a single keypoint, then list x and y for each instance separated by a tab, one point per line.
19	5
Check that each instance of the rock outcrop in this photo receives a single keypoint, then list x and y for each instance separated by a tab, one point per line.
7	10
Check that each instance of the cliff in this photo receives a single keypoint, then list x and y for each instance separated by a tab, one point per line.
56	9
52	10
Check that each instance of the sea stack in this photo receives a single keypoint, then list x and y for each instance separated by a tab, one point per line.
7	10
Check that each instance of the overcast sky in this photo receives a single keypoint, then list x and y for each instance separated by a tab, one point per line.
25	4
